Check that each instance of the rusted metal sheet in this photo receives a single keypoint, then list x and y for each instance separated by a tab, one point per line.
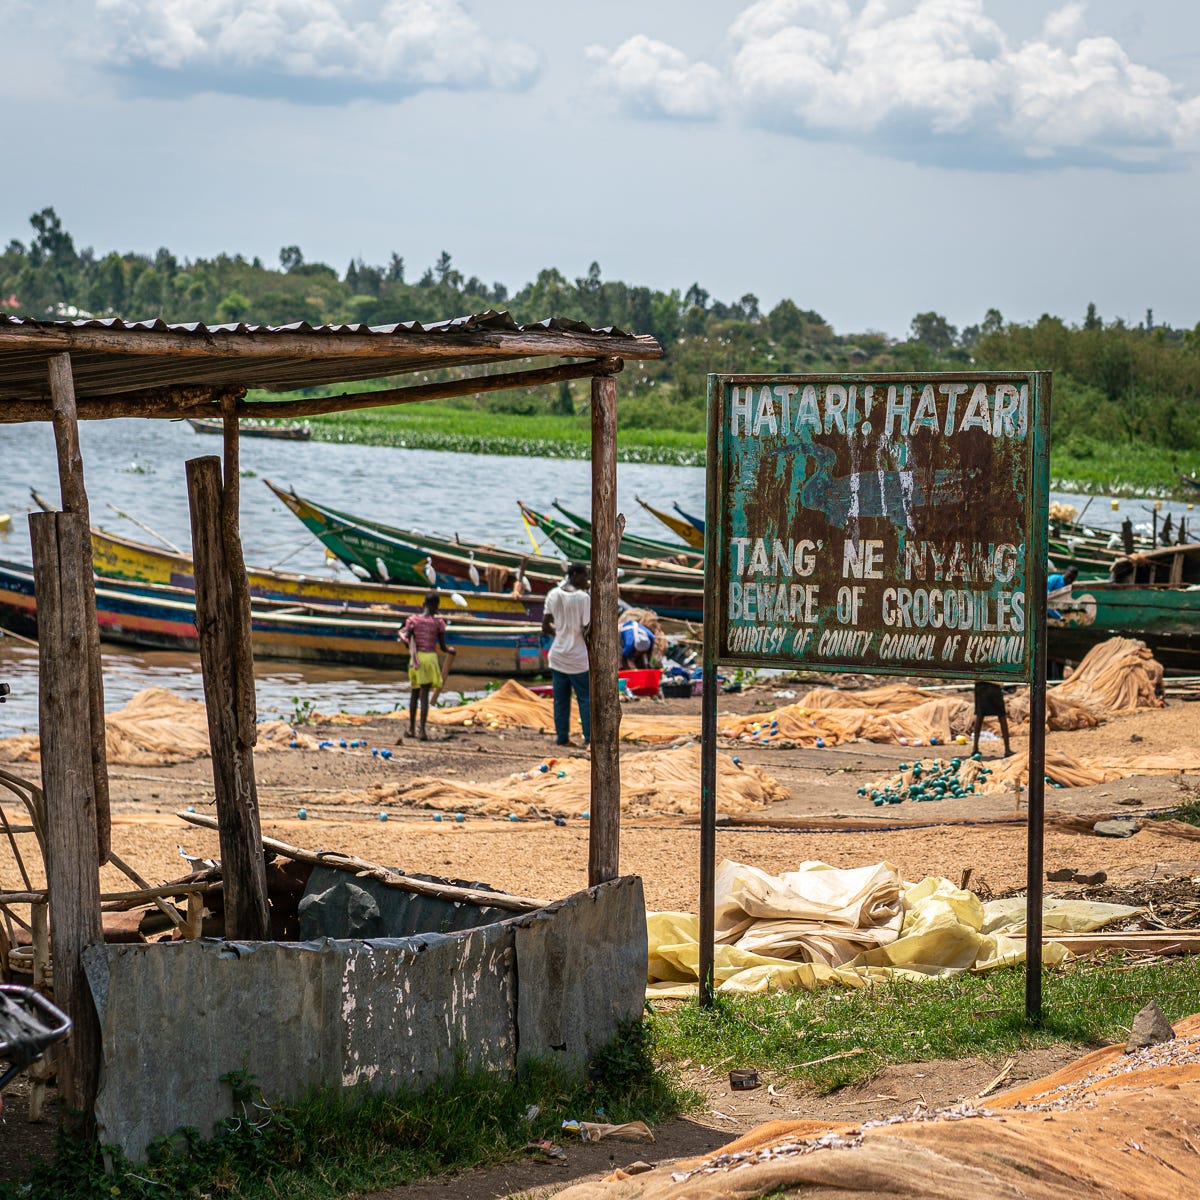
375	1015
886	524
566	1017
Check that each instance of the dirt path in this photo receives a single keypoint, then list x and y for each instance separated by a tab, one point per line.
726	1115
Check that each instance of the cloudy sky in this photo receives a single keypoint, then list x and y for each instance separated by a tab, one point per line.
869	158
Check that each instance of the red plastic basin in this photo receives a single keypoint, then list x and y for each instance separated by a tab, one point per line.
642	683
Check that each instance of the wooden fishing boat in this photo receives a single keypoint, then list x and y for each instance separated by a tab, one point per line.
694	522
1171	565
677	525
1165	617
287	432
153	616
122	558
642	549
403	555
1190	480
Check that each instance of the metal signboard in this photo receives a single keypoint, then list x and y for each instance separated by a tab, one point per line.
882	524
886	524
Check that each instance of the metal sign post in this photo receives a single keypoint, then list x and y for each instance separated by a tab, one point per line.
880	524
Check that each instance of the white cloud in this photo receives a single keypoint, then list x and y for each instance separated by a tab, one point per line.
653	79
926	80
308	49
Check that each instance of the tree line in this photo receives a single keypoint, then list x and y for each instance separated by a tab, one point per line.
1137	382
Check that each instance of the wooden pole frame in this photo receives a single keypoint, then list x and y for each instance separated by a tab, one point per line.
226	664
75	500
604	834
59	542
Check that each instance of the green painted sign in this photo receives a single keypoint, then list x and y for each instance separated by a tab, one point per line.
886	524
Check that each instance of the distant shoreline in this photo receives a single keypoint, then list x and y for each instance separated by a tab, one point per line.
1099	470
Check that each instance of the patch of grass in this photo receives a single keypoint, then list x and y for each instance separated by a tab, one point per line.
329	1147
481	431
1189	813
907	1021
1082	464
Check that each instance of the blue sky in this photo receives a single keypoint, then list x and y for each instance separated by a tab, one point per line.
869	158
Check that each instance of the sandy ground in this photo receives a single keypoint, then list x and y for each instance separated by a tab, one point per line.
548	861
541	859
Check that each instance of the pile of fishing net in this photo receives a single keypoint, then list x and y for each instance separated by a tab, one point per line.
654	783
953	778
1114	1123
157	728
828	717
819	925
512	706
1117	676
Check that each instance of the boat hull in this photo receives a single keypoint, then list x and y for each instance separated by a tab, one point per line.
1167	619
157	618
120	558
281	433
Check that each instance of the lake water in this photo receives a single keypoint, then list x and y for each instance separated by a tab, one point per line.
138	466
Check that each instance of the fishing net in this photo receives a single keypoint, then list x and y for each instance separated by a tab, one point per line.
653	783
156	728
1110	1124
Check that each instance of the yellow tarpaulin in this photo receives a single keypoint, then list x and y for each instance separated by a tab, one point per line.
771	936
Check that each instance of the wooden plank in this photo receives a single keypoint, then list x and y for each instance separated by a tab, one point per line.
405	883
243	866
1141	941
75	500
284	345
207	402
40	1072
60	541
136	896
604	832
246	701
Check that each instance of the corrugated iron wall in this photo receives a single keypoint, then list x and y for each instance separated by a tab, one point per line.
384	1014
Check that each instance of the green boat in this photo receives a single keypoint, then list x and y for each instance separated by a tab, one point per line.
381	552
631	544
1165	617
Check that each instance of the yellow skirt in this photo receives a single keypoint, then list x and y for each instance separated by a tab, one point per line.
425	669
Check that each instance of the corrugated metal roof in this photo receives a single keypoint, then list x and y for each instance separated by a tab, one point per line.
494	319
111	356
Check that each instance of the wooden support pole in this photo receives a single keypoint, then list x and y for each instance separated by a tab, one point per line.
605	829
226	665
68	784
239	581
75	500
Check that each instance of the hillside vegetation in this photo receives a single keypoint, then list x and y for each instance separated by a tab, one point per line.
1126	396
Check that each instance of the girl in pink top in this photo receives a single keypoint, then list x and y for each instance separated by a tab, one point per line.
425	634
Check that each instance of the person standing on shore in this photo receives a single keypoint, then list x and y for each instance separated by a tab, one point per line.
425	634
989	702
567	616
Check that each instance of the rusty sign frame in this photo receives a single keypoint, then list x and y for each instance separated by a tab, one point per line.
1034	513
1012	511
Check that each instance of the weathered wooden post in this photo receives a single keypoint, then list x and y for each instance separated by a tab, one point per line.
60	541
74	500
605	829
226	662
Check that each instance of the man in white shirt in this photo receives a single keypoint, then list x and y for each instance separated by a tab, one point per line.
566	616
